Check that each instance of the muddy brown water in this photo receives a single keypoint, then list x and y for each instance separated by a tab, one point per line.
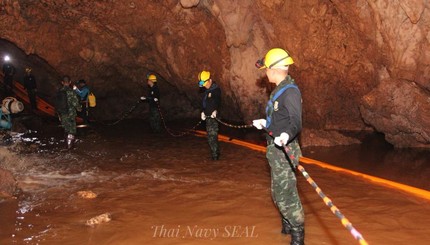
160	189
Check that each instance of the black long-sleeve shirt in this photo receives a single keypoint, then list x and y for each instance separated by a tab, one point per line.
211	99
153	93
30	82
286	115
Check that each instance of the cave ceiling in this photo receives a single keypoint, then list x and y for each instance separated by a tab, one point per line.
361	65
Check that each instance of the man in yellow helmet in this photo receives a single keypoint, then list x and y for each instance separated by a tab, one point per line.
153	100
284	123
211	103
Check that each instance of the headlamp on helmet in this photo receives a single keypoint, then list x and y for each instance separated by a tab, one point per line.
275	58
151	77
203	77
202	83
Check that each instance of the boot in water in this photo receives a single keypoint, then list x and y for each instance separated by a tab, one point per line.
70	139
297	235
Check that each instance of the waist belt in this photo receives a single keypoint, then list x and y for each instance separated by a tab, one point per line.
271	141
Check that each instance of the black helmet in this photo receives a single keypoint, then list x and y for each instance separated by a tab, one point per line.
66	79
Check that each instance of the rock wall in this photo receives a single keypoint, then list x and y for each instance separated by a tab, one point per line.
114	44
347	54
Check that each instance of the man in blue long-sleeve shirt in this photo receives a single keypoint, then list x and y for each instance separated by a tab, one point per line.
83	91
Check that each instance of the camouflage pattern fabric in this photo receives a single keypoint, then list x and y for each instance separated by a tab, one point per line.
68	120
212	132
154	119
294	153
284	186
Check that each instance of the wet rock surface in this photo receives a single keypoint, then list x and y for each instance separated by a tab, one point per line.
99	219
326	138
87	194
403	117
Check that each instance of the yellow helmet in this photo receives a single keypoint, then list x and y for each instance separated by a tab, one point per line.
275	58
28	69
204	76
152	78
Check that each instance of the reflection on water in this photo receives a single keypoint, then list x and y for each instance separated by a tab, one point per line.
378	158
127	166
144	179
374	157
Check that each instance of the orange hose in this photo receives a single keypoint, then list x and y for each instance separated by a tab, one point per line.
409	189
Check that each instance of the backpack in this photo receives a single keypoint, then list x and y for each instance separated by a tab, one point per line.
92	100
5	121
61	105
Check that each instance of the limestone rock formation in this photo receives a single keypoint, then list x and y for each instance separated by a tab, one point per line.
400	109
99	219
345	52
325	138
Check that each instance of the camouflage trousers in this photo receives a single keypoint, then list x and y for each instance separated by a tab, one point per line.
284	186
68	121
212	132
154	120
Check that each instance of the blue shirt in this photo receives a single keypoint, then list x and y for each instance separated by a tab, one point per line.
83	93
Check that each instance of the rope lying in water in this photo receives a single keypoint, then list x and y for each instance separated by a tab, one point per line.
345	222
169	131
124	115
